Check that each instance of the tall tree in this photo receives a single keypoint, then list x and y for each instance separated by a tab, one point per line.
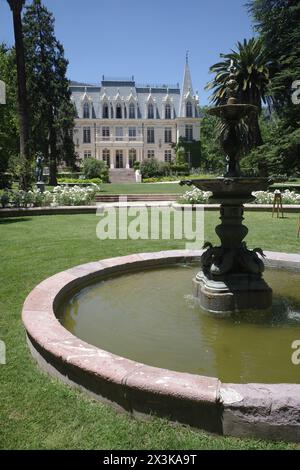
9	129
49	95
252	76
16	8
277	22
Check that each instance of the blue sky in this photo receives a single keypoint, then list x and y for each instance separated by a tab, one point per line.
147	39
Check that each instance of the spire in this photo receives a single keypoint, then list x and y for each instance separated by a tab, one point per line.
187	86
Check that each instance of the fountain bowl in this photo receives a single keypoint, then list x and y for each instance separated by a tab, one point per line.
269	411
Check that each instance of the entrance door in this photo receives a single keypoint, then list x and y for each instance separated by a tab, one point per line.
119	159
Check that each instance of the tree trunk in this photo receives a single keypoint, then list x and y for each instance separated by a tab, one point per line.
25	178
53	155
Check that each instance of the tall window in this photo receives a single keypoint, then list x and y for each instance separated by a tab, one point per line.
150	111
119	133
168	111
106	157
105	133
132	133
86	111
168	135
150	135
189	109
119	158
86	135
132	157
111	112
168	156
189	133
105	111
131	111
118	112
150	154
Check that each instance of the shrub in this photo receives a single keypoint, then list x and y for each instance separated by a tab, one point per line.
93	168
6	180
74	176
79	181
153	168
4	199
180	168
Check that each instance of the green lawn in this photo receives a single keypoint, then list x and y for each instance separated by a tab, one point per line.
38	412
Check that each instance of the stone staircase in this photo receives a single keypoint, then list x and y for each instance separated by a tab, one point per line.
137	197
121	175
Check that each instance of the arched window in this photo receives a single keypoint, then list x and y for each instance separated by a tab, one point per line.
86	111
168	111
189	109
106	157
105	111
131	111
150	111
111	112
118	112
132	157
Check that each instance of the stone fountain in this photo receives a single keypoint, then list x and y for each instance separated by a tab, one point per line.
231	276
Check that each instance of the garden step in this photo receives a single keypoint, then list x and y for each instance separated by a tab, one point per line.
121	175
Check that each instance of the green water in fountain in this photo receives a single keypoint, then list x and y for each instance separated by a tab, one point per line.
151	317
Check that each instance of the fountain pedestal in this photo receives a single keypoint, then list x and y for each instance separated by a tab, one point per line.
231	276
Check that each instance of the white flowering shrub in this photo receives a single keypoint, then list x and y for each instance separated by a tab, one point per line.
61	196
197	196
73	196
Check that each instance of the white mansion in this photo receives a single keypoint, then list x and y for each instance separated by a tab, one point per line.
121	122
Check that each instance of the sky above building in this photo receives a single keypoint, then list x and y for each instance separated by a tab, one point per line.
149	40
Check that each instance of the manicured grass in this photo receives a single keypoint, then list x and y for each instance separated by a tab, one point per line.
40	412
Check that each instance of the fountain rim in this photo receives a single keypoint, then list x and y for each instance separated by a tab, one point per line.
140	389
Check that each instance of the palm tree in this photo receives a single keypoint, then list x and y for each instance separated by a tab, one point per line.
252	76
16	8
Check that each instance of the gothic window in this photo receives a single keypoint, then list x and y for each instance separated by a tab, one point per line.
118	112
150	111
189	133
105	133
168	156
105	111
168	135
189	109
86	135
131	111
168	111
132	133
86	111
112	112
119	133
150	135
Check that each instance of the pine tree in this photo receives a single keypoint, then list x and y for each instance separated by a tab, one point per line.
51	108
16	7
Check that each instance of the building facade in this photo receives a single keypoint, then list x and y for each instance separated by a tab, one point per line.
120	122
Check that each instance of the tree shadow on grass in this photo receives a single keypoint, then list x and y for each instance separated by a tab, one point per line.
13	220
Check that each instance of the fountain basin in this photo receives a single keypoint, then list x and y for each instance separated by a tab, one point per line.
200	401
